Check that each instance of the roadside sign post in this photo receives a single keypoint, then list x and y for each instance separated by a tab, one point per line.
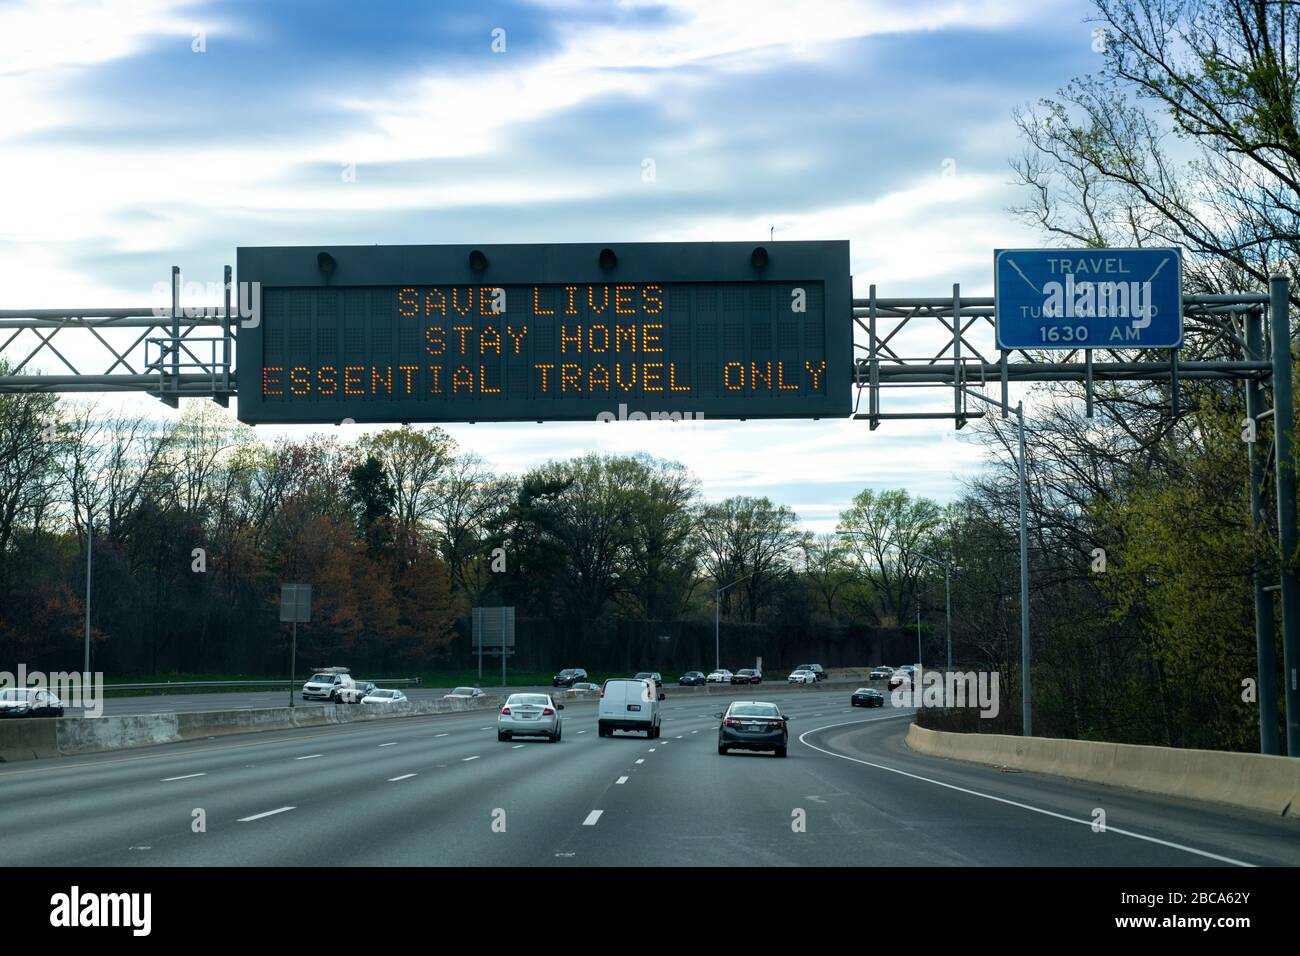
493	632
295	606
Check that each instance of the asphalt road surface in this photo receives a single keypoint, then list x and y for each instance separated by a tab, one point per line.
443	791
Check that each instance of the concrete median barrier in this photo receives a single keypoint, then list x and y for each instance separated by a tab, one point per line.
1254	781
92	735
23	739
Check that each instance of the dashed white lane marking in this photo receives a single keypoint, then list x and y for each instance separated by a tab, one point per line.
641	760
679	736
1003	800
485	728
592	817
517	747
582	731
440	735
695	731
186	776
309	757
652	750
268	813
464	759
621	780
392	744
405	776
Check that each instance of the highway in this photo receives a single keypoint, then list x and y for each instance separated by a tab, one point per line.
443	791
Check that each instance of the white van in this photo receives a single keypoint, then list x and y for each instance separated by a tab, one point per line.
629	704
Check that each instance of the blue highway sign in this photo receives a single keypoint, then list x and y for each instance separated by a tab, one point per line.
1088	298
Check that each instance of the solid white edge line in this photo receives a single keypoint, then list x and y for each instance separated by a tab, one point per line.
268	813
405	776
463	759
393	744
309	757
517	747
592	817
1010	803
186	776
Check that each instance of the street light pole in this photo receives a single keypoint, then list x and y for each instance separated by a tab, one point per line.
717	620
90	526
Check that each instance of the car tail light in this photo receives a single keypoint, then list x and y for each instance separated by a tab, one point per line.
731	722
774	723
602	691
505	711
548	711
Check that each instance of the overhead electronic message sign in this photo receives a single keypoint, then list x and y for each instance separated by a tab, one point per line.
545	332
1088	298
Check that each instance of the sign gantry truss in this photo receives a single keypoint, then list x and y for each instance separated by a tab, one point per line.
170	353
952	336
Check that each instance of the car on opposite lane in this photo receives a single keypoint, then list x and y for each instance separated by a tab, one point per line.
585	685
746	675
463	693
867	697
29	702
753	725
815	668
692	679
801	677
720	676
881	673
568	677
530	715
380	695
650	675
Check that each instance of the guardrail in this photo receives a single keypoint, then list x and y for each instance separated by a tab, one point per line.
182	685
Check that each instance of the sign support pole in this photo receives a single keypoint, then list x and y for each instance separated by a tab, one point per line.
1283	428
1265	632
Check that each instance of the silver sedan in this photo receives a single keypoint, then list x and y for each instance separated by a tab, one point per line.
530	715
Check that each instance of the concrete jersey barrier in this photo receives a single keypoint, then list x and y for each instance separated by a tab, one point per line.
27	739
1255	781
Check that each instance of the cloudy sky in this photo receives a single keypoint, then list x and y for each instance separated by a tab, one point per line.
138	135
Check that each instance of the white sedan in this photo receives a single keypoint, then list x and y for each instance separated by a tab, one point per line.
802	677
530	715
719	677
384	697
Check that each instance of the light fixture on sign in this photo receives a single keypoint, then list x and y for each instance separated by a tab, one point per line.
477	261
607	259
758	258
325	263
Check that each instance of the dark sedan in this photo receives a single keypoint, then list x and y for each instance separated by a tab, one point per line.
753	725
28	702
568	677
867	697
693	679
747	676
